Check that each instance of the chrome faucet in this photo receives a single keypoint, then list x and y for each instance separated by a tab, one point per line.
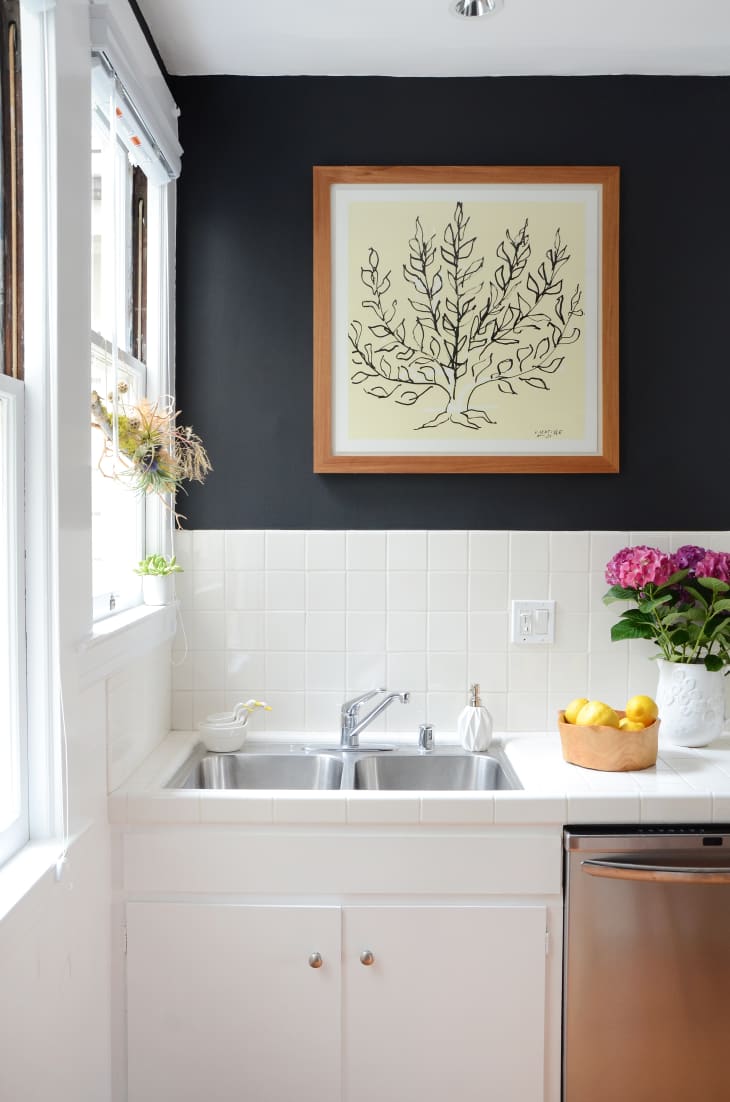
352	725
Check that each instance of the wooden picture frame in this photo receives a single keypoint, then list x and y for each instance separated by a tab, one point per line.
466	319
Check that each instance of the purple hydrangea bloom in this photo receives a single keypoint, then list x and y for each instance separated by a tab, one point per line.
686	557
637	567
713	564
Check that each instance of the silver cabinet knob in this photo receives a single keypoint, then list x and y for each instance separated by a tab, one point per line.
367	958
315	960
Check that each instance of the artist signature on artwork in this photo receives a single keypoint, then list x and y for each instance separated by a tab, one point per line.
548	434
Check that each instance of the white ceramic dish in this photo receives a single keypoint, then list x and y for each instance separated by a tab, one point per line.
222	738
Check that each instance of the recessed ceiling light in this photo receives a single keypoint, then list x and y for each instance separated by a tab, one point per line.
472	9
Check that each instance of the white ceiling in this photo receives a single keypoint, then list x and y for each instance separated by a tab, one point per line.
424	38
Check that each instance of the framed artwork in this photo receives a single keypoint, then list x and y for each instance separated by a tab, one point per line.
466	319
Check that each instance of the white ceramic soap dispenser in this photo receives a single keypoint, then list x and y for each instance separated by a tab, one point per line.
474	725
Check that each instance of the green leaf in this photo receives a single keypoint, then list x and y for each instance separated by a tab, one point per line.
713	662
678	576
627	629
695	592
723	605
619	593
679	637
637	616
673	618
655	602
717	624
714	584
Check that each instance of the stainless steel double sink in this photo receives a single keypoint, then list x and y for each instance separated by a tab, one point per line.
393	770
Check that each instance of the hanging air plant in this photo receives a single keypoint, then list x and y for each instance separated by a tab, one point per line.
150	452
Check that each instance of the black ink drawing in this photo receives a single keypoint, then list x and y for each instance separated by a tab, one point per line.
513	340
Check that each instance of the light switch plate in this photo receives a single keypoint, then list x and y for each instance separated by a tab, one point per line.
533	622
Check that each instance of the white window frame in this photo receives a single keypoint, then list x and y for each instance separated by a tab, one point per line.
15	832
41	564
159	159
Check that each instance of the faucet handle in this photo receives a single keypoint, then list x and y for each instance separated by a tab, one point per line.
351	707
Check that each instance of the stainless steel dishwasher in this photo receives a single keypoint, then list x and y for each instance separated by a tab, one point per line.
646	986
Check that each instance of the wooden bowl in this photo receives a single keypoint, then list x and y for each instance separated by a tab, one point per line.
608	748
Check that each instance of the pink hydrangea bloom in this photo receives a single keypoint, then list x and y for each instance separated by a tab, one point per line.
637	567
713	564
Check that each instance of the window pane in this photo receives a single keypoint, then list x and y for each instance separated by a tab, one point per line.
117	524
118	514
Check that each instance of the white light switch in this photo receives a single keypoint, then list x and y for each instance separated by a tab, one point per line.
533	622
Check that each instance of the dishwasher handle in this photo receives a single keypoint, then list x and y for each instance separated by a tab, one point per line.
656	874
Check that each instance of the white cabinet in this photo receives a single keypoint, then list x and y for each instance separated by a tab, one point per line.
222	1003
453	1006
411	1002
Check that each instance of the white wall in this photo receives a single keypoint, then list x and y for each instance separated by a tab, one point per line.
55	942
306	618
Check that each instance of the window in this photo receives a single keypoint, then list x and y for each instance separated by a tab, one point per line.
13	735
135	160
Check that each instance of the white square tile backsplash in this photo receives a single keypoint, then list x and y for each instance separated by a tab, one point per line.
303	619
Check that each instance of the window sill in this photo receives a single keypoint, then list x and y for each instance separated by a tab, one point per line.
118	640
31	880
21	873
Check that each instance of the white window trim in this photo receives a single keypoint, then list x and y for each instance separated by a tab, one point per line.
45	783
120	638
12	393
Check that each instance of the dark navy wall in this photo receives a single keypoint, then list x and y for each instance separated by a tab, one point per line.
244	297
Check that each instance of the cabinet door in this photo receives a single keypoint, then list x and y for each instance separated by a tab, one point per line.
223	1004
451	1007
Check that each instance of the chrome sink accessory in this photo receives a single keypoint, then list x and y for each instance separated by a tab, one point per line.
425	736
352	724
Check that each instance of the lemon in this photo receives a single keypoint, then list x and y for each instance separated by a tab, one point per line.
596	713
642	709
574	707
627	724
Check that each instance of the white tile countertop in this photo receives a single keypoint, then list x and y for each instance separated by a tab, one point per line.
685	786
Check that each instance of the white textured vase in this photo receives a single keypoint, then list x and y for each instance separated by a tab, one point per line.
691	702
158	589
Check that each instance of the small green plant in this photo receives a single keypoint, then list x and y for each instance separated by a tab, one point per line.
158	565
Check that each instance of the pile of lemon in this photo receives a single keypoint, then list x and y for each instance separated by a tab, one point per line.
641	711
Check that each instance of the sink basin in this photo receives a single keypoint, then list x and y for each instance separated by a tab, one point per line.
442	772
392	770
299	771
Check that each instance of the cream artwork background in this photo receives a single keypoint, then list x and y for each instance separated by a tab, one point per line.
556	412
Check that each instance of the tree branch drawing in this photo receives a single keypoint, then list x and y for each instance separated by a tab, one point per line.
463	332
